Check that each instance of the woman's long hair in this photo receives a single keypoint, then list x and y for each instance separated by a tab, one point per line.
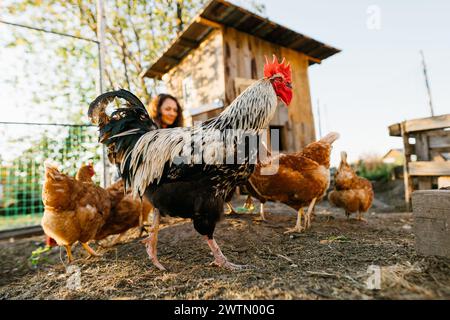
155	110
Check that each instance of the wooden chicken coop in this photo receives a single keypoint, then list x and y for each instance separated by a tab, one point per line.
426	145
222	52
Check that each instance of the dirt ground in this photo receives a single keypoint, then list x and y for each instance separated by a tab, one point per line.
329	261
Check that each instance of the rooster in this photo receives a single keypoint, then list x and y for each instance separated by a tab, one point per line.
151	164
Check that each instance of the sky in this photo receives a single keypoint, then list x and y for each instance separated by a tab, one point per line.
377	80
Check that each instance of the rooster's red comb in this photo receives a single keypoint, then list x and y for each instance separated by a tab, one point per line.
272	68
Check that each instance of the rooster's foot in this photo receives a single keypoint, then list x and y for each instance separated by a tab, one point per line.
296	229
150	246
262	217
157	264
230	266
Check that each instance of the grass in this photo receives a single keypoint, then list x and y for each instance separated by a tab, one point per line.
372	168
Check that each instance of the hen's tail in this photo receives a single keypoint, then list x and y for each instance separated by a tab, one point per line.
320	150
57	186
330	138
120	128
52	172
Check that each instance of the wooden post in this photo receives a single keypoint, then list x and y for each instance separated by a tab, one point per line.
101	66
423	154
409	187
431	222
101	44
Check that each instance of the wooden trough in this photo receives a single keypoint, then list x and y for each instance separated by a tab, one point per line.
431	210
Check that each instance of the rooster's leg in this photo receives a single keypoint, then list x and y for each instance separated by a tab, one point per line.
90	250
152	240
69	253
219	259
298	226
261	212
141	224
309	213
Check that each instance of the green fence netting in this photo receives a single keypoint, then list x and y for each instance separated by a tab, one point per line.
23	150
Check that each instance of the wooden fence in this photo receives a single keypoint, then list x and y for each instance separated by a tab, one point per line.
426	145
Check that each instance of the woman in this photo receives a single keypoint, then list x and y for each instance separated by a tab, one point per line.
166	111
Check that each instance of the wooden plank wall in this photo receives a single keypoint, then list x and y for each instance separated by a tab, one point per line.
244	58
205	65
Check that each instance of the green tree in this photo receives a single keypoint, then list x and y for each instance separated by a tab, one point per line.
136	33
60	73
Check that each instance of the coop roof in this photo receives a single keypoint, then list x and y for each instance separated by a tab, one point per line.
220	12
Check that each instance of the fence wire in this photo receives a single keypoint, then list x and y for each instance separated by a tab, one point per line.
23	149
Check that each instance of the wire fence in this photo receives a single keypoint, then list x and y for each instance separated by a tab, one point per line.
23	149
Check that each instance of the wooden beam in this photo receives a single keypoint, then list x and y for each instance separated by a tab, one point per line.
409	186
432	123
21	232
422	147
151	74
187	43
442	141
395	130
423	124
429	168
170	60
244	18
315	60
423	154
208	23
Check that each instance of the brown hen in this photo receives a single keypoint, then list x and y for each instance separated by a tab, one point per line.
352	193
300	180
126	212
73	210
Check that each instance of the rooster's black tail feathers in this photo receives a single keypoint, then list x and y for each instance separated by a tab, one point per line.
121	128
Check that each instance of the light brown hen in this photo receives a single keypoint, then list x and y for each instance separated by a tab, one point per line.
126	212
352	193
300	179
73	210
